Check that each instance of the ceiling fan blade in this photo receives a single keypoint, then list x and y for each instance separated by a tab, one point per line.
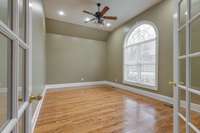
105	9
87	12
110	17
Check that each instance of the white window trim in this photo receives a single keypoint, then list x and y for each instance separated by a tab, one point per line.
157	56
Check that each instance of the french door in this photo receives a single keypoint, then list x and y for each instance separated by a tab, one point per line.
14	66
187	66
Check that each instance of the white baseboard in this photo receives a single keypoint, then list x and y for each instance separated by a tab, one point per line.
37	111
117	85
166	99
68	85
159	97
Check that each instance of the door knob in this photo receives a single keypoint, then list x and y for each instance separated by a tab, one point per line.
172	83
20	99
34	98
31	98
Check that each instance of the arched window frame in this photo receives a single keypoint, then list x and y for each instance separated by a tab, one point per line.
157	55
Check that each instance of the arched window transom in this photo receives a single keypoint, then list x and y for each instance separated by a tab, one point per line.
140	56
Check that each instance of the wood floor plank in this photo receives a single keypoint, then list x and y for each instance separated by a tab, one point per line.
103	110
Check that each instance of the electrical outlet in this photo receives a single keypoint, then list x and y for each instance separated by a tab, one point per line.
82	79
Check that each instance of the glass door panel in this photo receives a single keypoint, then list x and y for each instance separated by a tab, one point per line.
195	33
187	67
22	19
182	125
21	124
182	101
182	41
195	73
182	72
21	76
183	12
195	7
194	110
192	131
5	11
13	66
5	80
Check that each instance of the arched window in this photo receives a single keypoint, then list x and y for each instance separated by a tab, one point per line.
140	56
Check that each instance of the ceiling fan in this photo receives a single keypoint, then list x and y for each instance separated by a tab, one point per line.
99	17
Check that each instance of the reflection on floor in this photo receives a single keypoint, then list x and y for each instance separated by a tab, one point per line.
103	110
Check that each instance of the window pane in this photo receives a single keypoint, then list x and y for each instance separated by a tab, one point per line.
182	41
195	112
148	53
182	71
182	125
5	11
148	74
142	33
21	125
195	39
22	19
21	78
131	55
5	79
195	73
192	130
131	73
183	12
195	7
182	98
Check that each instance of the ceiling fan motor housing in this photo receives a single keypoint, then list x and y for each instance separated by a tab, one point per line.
98	15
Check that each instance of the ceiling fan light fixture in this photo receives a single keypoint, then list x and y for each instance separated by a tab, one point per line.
30	4
108	24
61	13
87	19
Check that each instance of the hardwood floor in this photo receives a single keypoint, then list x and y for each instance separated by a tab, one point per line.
103	110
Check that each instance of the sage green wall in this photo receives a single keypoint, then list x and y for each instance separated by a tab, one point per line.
38	48
71	58
64	28
161	15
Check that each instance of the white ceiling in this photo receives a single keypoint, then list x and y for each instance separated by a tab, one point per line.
123	9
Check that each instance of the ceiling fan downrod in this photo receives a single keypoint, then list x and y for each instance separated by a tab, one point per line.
98	5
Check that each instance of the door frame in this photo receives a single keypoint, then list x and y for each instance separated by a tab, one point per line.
177	57
175	68
13	34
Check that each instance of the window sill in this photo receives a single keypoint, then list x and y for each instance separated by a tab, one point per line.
141	85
